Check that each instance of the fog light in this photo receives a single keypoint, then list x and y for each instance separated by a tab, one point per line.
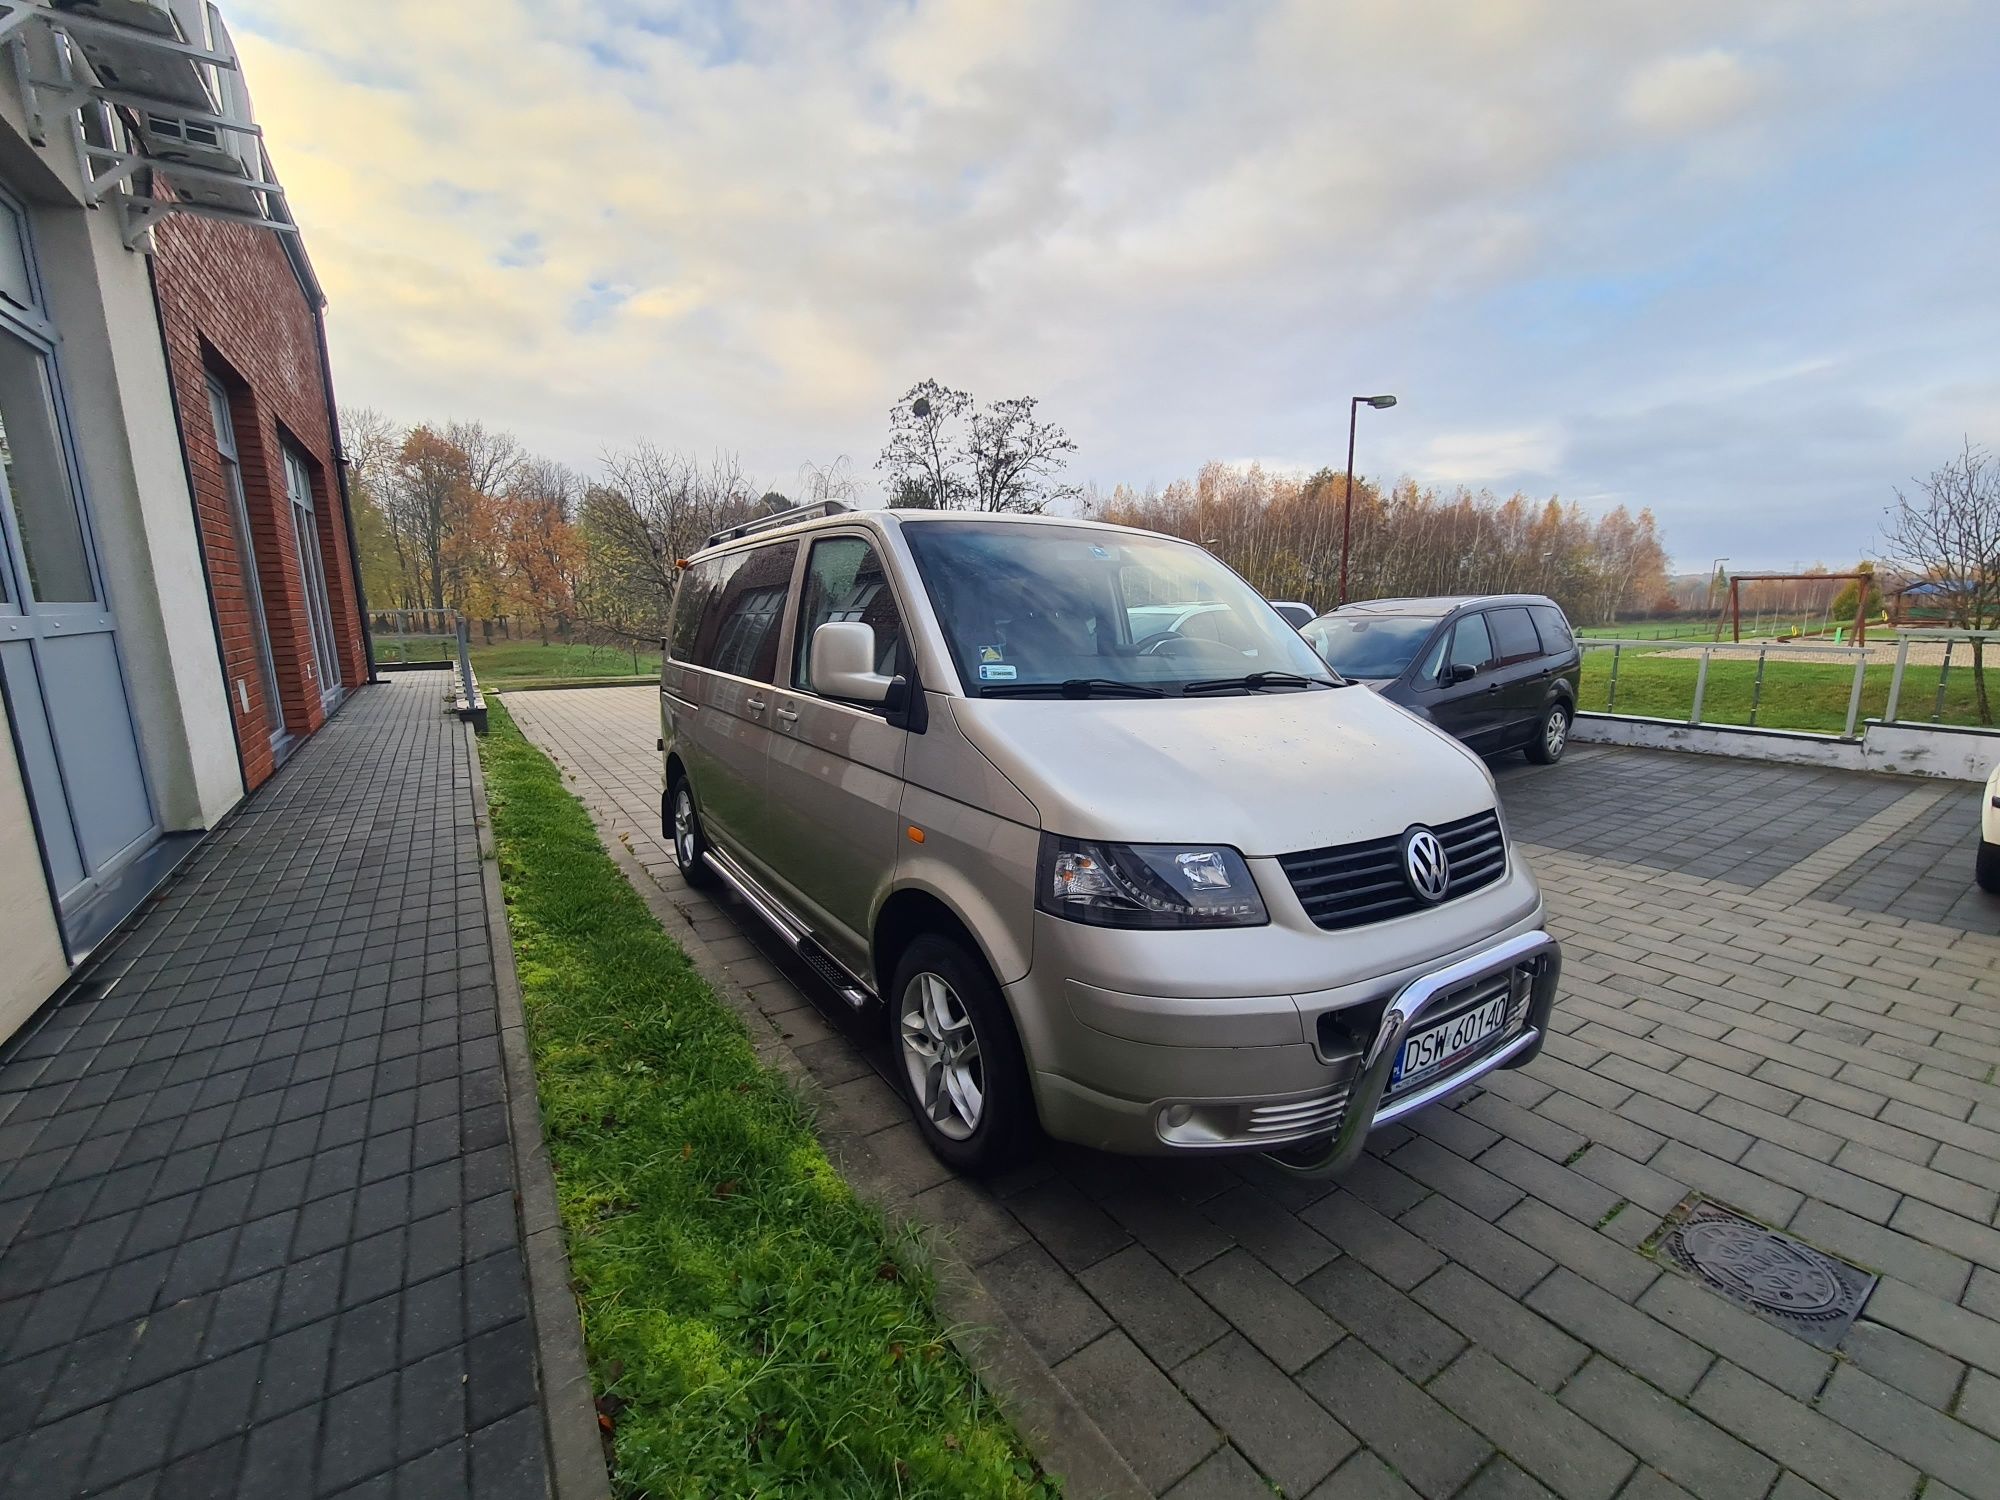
1176	1115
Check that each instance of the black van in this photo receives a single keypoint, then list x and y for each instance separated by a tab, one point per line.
1499	671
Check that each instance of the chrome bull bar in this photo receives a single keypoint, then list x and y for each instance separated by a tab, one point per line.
1365	1109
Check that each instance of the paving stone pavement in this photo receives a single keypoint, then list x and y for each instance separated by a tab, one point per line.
1471	1312
257	1224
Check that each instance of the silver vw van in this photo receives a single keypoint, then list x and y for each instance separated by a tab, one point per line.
1111	850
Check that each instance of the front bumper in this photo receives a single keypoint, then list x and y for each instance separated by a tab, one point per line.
1260	1076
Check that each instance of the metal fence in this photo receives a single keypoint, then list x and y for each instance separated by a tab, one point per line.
1955	661
1952	640
1760	650
414	636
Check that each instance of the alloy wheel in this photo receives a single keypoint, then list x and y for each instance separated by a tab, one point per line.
1557	733
684	826
941	1054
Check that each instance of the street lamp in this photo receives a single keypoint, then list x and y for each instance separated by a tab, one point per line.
1380	403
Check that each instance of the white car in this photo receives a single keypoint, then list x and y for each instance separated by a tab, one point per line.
1988	868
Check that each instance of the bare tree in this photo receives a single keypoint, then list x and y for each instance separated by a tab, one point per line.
923	461
1016	460
947	453
492	457
655	507
1947	534
821	483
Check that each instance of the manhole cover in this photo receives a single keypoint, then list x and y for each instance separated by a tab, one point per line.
1785	1280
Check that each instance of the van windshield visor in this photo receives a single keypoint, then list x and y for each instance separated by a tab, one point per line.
1082	612
1369	646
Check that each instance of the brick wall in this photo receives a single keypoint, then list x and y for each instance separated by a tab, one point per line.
231	307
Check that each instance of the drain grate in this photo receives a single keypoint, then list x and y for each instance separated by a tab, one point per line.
1802	1290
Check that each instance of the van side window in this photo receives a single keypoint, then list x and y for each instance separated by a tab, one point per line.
1514	638
1471	644
1555	633
845	581
739	629
694	596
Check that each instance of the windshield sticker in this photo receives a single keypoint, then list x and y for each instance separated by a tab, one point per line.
989	672
992	653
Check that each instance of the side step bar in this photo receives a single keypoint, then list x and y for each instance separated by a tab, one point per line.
854	990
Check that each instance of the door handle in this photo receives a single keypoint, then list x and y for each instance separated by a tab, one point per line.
789	715
755	705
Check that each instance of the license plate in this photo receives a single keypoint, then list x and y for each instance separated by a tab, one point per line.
1437	1047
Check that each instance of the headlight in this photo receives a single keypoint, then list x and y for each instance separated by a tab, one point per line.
1146	885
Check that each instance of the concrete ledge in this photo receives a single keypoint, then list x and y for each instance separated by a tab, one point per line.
1929	750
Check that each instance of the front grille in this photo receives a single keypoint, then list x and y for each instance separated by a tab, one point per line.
1350	885
1319	1115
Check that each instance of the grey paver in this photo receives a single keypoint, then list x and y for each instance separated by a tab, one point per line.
1629	1336
1282	1430
1415	1341
1430	1448
1384	1246
1162	1435
1790	1364
1044	1301
1952	1451
1224	1475
1272	1314
1696	1454
1559	1448
1150	1303
1499	1322
241	1176
1823	1451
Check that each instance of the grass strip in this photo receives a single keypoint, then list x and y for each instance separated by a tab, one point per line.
752	1328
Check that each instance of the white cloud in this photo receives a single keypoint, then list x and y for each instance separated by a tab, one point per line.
1476	459
1190	229
1695	91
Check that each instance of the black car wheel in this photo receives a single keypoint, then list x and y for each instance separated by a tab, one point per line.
1987	870
1552	737
683	830
962	1068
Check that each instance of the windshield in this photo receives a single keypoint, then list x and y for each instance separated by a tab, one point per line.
1028	605
1368	645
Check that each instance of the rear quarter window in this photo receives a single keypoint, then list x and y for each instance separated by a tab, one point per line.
693	597
1554	629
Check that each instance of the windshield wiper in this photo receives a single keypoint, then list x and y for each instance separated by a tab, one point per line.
1255	682
1074	687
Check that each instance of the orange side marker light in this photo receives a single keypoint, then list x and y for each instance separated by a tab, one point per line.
916	834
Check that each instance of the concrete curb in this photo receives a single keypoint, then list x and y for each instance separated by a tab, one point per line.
569	1407
1050	1420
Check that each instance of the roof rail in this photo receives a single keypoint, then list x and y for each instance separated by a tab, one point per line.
777	518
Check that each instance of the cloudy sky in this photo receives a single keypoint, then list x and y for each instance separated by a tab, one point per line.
1734	262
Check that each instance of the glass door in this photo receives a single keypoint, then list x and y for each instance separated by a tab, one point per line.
312	567
59	658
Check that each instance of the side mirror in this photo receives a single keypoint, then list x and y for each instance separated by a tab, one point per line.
1460	671
843	663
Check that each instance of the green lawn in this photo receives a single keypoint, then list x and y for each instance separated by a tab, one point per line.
1797	695
508	662
753	1327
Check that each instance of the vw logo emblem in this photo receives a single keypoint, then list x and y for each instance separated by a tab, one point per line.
1425	864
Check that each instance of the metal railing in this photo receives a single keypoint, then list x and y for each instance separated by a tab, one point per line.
1951	639
414	636
1761	650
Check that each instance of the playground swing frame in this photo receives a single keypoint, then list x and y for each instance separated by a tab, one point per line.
1865	579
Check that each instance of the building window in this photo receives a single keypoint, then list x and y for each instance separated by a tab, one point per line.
224	423
312	568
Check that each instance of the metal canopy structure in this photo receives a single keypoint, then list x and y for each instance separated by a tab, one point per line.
137	95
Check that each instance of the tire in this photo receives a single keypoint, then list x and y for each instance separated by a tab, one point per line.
689	842
975	1110
1551	736
1987	869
